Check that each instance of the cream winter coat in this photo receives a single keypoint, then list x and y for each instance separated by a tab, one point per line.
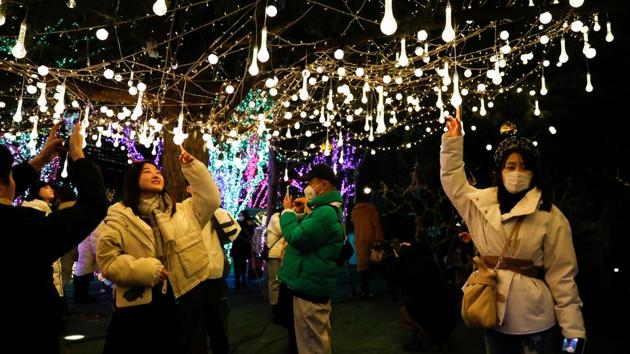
41	205
274	237
125	244
531	305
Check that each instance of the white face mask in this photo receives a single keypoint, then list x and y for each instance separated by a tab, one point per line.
309	193
516	181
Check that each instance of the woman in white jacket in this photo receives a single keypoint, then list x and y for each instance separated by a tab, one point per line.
154	252
536	287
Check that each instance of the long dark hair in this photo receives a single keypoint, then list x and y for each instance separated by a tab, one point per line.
508	200
131	187
33	191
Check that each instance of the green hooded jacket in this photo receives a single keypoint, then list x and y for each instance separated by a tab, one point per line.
314	244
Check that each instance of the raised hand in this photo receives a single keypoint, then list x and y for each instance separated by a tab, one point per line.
75	146
51	149
454	125
287	203
184	156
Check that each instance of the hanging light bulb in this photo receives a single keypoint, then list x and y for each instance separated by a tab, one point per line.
60	106
102	34
98	141
446	79
178	133
589	85
288	135
286	174
543	86
388	24
439	103
448	34
537	108
402	59
340	139
253	67
263	54
422	35
64	173
609	35
456	99
366	126
576	3
330	104
17	117
42	70
327	147
71	4
482	109
545	17
564	57
341	156
271	11
304	90
596	25
19	51
159	7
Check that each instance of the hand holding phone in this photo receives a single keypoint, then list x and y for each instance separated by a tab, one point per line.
573	345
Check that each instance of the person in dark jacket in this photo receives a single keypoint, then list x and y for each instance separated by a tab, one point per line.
309	269
34	241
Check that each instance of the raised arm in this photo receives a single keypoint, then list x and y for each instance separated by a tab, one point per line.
452	173
206	197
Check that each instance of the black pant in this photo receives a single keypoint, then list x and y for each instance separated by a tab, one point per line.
150	328
203	314
365	282
82	287
285	312
240	272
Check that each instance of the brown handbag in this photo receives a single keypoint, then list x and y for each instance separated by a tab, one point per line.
479	305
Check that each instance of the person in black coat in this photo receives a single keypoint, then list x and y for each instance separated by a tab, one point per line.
32	241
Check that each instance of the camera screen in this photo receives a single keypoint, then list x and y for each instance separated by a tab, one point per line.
570	345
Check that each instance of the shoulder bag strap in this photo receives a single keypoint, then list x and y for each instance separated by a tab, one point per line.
511	238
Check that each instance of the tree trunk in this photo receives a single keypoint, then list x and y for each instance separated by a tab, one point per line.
272	187
171	167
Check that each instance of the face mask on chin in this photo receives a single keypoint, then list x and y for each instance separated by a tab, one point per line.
309	192
516	181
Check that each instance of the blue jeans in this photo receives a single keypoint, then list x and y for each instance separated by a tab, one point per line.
545	342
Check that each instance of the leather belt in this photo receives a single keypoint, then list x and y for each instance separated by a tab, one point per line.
522	266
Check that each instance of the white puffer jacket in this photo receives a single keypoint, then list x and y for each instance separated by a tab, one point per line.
531	305
125	244
275	241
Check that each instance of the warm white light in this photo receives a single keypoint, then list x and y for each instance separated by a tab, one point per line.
402	58
609	35
545	17
449	33
31	89
616	270
576	26
159	7
253	67
271	11
552	130
109	73
141	86
133	91
213	59
422	35
544	39
367	190
504	35
388	24
468	73
576	3
456	99
482	108
339	54
42	70
564	57
589	85
387	79
543	86
19	51
418	72
488	147
17	116
263	53
102	34
74	337
536	108
359	72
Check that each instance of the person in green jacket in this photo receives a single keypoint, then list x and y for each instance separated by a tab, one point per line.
309	269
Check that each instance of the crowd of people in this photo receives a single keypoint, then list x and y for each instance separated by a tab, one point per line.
168	268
